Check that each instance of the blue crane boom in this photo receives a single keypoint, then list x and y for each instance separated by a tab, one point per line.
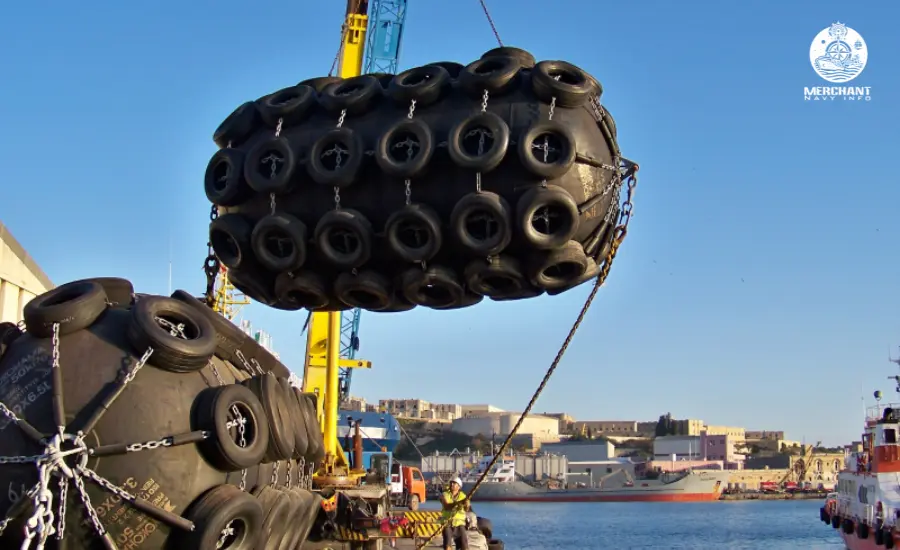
387	19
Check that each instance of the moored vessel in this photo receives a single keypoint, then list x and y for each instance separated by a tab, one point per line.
866	505
502	485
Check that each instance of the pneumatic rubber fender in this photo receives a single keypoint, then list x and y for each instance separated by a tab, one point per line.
559	168
157	403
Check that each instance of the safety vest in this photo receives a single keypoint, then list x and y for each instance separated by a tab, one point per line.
457	516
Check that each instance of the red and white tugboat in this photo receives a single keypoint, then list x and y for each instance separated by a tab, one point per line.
865	506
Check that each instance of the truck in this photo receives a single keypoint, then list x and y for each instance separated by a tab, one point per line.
407	486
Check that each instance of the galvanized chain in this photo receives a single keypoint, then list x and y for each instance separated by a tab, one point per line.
33	459
482	135
175	330
274	479
149	445
407	183
211	265
272	203
40	524
619	235
89	506
252	366
61	512
341	118
258	367
278	127
241	422
226	532
137	367
215	372
288	475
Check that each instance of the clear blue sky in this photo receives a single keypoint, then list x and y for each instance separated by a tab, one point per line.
758	287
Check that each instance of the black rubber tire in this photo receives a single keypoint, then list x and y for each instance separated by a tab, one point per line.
414	233
548	202
215	510
289	105
424	84
557	147
368	290
171	353
482	160
486	527
591	271
237	127
418	139
495	74
342	172
281	432
525	59
344	238
320	83
277	507
119	291
302	290
436	287
482	223
295	534
452	67
570	85
73	306
316	451
230	235
9	332
214	409
877	534
495	544
312	503
450	103
888	538
558	268
298	419
223	181
502	277
270	166
353	95
229	338
288	233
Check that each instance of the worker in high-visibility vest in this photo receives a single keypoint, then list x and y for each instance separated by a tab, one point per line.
455	507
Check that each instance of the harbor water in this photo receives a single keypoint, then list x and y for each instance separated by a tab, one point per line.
744	525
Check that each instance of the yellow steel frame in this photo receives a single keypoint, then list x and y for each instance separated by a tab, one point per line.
323	345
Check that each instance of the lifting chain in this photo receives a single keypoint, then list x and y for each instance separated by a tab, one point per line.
211	265
628	176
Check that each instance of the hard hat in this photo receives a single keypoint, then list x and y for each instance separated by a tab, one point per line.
457	481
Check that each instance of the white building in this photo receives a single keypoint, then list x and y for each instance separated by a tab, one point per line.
20	278
468	410
543	428
583	450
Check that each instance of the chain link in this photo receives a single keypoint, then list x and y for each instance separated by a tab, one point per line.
140	364
552	107
484	100
215	372
274	479
63	498
408	191
20	459
288	474
89	506
412	109
341	118
278	127
241	423
272	202
211	265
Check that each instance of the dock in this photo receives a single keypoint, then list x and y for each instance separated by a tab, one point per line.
774	496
